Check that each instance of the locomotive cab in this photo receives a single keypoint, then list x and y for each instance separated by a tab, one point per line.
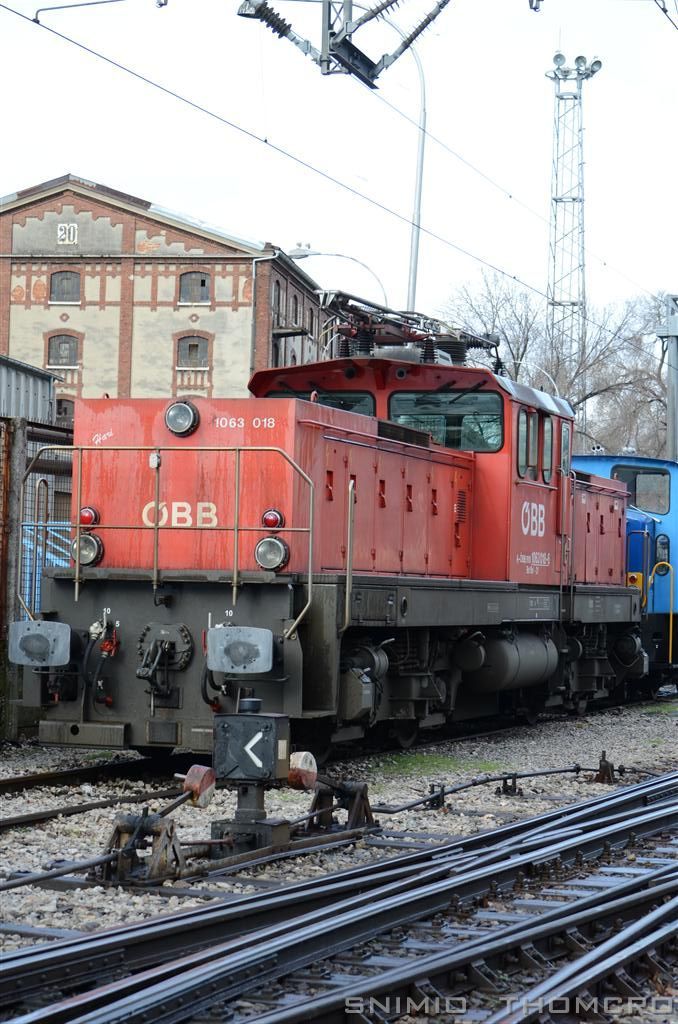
651	543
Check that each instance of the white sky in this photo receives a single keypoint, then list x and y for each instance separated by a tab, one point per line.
488	101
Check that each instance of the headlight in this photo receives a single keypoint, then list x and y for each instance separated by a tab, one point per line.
91	549
182	418
272	553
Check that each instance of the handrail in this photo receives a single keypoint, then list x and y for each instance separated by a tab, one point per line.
350	523
236	535
41	487
156	464
656	566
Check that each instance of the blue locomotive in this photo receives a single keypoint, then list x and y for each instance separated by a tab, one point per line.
651	548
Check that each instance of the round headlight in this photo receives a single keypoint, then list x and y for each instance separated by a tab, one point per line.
91	549
272	553
182	418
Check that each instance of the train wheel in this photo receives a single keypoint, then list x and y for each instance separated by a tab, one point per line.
156	753
322	754
318	740
405	733
578	709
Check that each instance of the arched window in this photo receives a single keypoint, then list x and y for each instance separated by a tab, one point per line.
64	286
295	309
311	323
275	302
62	350
192	353
194	287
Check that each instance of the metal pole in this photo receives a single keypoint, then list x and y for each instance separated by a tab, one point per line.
419	173
419	177
669	331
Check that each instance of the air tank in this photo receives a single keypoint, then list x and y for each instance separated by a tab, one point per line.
507	663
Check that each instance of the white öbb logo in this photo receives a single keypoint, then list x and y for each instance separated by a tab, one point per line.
180	513
532	519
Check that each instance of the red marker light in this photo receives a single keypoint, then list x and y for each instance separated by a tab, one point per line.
273	519
88	516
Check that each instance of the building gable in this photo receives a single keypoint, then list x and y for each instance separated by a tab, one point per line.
70	217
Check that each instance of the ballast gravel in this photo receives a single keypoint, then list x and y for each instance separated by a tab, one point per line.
644	738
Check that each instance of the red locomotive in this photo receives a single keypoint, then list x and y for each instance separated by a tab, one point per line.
370	544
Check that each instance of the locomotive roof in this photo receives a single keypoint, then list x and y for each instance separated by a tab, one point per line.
308	376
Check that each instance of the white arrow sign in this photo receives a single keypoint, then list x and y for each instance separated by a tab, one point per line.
248	749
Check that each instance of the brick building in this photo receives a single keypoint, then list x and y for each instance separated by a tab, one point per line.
122	298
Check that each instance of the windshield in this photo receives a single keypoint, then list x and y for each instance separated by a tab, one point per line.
466	420
352	401
649	489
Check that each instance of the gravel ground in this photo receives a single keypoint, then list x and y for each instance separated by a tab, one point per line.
644	737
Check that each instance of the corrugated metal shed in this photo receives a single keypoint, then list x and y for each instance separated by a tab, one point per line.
26	392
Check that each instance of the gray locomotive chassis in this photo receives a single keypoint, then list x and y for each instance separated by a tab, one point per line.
273	601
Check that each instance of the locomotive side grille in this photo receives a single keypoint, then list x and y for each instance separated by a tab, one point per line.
460	508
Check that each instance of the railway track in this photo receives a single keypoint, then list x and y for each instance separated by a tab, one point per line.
437	923
137	768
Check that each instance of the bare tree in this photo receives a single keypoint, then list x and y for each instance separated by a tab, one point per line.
616	375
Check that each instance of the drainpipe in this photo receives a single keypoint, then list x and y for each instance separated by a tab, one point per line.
253	339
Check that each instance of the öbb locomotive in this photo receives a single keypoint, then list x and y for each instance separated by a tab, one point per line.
371	544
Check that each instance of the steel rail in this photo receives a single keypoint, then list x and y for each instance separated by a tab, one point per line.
525	833
134	946
399	981
481	847
654	929
71	776
228	969
48	814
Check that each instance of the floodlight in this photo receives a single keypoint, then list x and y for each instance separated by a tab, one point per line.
580	63
559	59
596	65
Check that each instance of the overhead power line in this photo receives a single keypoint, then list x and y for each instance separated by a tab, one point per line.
325	175
661	4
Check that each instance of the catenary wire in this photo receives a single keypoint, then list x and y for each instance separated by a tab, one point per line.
662	7
304	164
488	178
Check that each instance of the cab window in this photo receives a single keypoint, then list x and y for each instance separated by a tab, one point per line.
533	444
528	443
649	489
465	420
565	457
522	442
547	449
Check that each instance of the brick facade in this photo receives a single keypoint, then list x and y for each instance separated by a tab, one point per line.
259	309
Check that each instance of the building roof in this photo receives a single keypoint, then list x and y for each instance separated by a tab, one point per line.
92	189
27	368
